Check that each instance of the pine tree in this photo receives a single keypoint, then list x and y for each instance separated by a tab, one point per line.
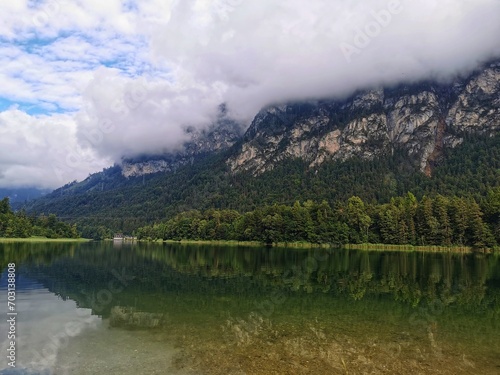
358	218
479	234
427	224
492	211
440	210
5	206
458	219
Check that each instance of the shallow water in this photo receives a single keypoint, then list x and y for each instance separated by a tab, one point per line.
171	309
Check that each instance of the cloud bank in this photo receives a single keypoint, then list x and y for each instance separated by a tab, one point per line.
129	77
42	151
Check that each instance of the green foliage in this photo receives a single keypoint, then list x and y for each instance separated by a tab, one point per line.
19	225
404	220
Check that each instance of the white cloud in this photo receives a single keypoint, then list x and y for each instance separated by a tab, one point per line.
129	117
42	151
274	51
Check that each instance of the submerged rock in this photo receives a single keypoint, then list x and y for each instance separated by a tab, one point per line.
128	317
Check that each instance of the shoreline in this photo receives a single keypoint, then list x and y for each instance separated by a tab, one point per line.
293	245
412	248
364	247
42	239
304	245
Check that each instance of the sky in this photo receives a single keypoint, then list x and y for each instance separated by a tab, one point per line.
85	83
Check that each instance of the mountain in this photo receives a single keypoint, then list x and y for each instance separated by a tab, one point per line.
420	120
217	137
20	195
427	137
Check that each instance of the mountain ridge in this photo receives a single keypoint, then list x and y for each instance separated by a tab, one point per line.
426	117
390	139
373	122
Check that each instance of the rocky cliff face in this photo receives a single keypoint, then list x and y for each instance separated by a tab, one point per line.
419	120
220	136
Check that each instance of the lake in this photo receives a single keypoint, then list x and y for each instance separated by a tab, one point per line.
120	308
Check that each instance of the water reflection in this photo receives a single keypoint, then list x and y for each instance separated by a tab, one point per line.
301	311
44	321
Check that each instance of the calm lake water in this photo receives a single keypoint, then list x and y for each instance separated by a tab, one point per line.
109	308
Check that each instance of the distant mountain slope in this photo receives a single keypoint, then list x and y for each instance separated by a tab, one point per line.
427	137
469	169
218	137
21	195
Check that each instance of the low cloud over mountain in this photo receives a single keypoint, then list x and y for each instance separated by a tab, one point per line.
129	78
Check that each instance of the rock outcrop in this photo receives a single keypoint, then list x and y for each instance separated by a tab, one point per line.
421	120
220	136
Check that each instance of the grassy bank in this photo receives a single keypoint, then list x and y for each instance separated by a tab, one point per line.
206	242
42	239
432	249
305	245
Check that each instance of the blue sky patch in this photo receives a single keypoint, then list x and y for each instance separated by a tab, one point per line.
31	108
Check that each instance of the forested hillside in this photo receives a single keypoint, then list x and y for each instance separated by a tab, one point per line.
21	225
469	170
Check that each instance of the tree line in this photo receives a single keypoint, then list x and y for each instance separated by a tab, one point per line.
436	220
20	225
